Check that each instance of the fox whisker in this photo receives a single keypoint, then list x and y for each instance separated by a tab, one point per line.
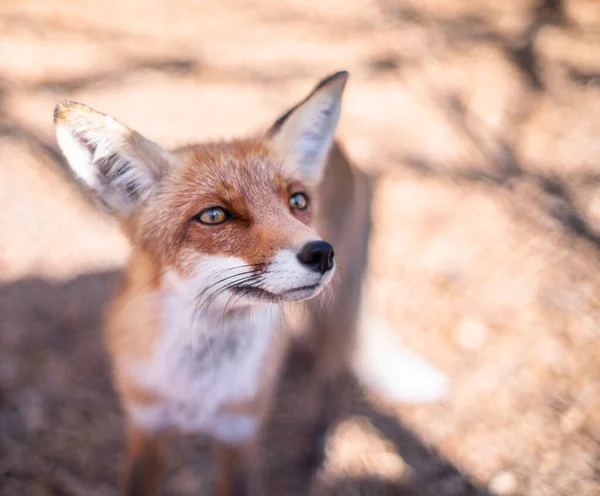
204	302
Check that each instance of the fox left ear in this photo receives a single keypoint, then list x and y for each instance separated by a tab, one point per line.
302	137
119	165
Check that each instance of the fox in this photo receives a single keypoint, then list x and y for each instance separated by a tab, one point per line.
222	234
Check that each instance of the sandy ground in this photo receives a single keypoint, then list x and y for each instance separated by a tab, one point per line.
479	121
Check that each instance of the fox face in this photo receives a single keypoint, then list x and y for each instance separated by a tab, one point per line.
222	220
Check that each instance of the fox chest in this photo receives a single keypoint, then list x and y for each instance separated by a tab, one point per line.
197	369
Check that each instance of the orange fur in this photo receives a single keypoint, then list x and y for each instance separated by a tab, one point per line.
143	463
225	174
159	369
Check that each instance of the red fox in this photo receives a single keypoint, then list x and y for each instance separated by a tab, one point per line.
221	233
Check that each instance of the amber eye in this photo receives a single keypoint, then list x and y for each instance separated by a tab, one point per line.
298	201
212	216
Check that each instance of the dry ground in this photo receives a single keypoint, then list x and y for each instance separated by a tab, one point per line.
481	121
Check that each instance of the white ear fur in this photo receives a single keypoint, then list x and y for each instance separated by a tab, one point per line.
303	137
118	164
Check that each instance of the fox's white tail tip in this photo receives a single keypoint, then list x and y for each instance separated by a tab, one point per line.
395	373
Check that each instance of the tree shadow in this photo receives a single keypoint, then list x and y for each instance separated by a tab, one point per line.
169	66
61	424
432	475
369	485
296	439
470	29
59	418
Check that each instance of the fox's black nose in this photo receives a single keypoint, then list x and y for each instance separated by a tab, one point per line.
318	255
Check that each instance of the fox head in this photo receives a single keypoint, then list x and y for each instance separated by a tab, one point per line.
222	218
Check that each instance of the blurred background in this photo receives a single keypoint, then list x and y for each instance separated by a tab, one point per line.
479	122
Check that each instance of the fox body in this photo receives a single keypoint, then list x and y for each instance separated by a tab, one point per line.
221	233
213	330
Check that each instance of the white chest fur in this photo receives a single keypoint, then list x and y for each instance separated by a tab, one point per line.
202	362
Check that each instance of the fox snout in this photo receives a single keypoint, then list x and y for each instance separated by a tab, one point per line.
317	256
299	273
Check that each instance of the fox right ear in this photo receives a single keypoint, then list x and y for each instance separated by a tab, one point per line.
303	136
119	165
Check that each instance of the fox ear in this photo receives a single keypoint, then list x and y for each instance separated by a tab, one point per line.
302	137
119	165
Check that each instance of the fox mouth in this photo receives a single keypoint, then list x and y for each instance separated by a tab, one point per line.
294	294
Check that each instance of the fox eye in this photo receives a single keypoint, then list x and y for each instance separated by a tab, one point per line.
298	201
212	216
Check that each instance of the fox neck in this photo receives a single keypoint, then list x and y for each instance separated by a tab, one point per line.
220	329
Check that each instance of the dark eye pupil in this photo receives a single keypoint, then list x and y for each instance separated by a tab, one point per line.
299	201
213	215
